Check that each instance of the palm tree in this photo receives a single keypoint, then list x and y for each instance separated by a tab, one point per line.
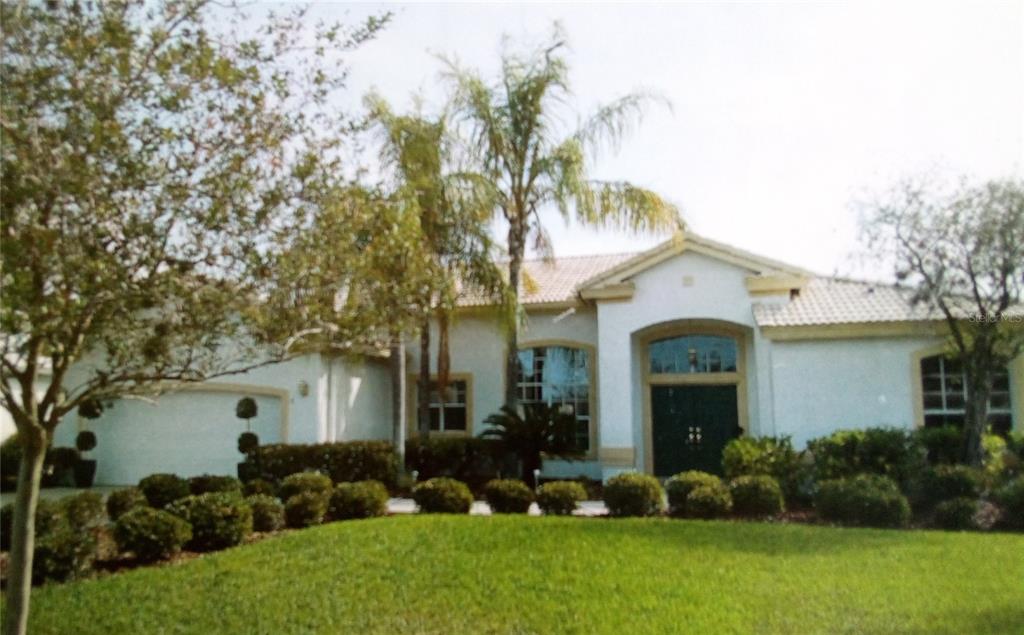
541	430
528	164
453	222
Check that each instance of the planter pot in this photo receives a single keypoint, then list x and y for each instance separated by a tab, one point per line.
85	472
248	472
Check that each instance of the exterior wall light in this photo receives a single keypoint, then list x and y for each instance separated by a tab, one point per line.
303	388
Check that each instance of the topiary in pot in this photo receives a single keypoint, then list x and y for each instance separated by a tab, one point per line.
560	498
85	469
249	446
508	496
633	494
442	495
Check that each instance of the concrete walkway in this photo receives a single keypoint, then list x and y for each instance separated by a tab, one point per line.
395	505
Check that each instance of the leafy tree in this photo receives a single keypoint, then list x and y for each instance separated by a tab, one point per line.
540	430
163	173
453	224
961	251
528	163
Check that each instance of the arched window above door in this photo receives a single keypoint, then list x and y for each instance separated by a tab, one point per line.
693	354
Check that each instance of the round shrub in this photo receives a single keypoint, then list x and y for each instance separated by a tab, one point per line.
122	501
305	509
709	501
48	516
219	520
267	512
442	495
868	500
305	482
84	511
207	483
248	442
362	499
946	482
633	494
64	553
756	496
85	441
259	486
1011	498
151	534
161	490
508	496
559	498
956	514
679	487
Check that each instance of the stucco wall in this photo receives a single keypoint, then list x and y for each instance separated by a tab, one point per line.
356	398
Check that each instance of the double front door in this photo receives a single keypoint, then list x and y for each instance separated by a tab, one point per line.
691	425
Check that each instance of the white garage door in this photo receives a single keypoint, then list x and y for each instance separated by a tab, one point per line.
185	433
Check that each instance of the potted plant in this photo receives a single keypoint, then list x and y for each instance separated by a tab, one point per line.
85	469
248	442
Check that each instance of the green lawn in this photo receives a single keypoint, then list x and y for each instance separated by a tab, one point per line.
433	574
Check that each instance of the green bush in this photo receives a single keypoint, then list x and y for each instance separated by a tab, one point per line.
363	499
161	490
508	496
207	483
442	495
84	510
946	482
122	501
559	498
63	553
151	534
305	509
883	451
633	494
1011	499
679	487
219	520
867	500
259	486
771	456
342	462
709	501
956	514
267	512
756	495
48	516
942	444
305	482
472	460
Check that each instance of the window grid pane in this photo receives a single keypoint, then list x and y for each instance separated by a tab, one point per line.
449	414
944	392
693	354
558	375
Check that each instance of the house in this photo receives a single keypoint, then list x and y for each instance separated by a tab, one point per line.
663	356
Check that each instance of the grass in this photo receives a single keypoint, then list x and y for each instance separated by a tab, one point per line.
435	574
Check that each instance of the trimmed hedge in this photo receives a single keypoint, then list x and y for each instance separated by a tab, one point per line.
770	456
84	511
756	496
151	534
206	483
678	487
343	462
305	509
946	482
219	520
508	496
363	499
259	486
443	495
305	482
956	514
889	452
472	460
267	512
633	494
941	444
63	553
122	501
161	490
709	501
560	498
48	516
867	500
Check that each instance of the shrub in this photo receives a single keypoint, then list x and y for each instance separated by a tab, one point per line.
248	443
559	498
772	456
709	501
756	495
866	499
679	487
122	501
633	494
946	482
207	483
941	444
305	482
342	462
305	509
219	520
85	441
442	495
884	451
267	512
259	486
987	515
84	510
1011	498
472	460
956	514
161	490
508	496
48	516
64	553
364	499
151	534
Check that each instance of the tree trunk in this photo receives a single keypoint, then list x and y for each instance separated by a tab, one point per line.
979	389
516	246
423	383
398	404
19	581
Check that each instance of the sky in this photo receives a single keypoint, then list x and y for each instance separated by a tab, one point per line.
785	118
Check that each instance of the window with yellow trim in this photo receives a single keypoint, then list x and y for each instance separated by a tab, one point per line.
944	390
448	412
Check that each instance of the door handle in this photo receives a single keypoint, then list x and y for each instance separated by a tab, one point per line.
694	435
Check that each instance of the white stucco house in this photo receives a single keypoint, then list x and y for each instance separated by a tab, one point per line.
663	356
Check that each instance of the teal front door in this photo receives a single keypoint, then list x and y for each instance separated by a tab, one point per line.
690	427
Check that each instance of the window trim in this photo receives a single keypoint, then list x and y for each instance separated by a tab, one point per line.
412	401
1015	369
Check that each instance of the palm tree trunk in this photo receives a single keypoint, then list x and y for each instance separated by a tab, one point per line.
516	246
19	584
423	383
398	405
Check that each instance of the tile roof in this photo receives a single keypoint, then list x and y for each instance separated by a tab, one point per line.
838	301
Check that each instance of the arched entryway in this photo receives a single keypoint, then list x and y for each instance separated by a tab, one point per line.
695	394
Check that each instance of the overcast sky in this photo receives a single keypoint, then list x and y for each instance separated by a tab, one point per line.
784	114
